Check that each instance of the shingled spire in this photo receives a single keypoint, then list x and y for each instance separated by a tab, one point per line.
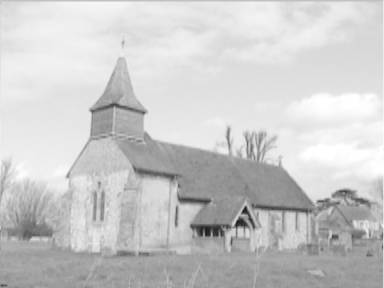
117	111
119	90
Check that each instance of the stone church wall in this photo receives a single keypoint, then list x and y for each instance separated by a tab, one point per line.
100	162
156	205
90	235
182	240
272	234
128	235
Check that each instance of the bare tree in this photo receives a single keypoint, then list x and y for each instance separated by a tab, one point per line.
7	174
229	140
28	208
256	144
263	144
249	145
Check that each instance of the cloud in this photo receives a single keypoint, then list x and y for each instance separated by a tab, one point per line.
325	108
336	155
339	135
366	134
83	38
277	33
216	122
345	160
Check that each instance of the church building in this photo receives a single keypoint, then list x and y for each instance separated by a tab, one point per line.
130	193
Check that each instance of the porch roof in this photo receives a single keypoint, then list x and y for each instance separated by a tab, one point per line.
224	212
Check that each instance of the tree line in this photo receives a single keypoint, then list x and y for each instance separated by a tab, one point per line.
27	206
350	197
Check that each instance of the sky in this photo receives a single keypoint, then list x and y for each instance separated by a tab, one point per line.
309	72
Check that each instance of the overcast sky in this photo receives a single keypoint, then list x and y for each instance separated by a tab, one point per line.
309	72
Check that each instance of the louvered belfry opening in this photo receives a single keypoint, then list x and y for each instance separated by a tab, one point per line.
117	111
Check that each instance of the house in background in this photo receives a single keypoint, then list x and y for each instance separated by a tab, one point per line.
339	224
360	218
129	192
333	229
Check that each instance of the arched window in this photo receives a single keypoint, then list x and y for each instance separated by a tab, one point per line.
94	195
102	205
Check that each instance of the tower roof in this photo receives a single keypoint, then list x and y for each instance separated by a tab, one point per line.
119	90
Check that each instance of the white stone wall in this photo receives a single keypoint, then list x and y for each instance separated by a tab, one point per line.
182	234
78	228
291	238
87	234
263	216
100	161
156	197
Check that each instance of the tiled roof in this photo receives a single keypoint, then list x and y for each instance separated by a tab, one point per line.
352	213
119	90
208	175
147	156
327	220
222	212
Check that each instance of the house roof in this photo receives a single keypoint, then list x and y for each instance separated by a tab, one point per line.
223	212
209	175
357	213
327	220
341	217
119	90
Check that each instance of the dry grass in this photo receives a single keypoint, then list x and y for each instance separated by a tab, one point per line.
36	265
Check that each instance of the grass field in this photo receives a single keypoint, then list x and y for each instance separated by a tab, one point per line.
36	265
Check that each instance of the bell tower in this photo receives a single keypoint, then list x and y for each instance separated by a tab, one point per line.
118	112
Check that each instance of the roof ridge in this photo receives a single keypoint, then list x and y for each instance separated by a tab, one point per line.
207	174
229	157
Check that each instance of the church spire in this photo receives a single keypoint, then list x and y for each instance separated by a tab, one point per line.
119	90
117	111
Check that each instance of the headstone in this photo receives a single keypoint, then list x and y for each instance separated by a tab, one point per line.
316	272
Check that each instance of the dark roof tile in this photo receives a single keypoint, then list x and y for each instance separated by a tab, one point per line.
222	212
209	175
119	90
